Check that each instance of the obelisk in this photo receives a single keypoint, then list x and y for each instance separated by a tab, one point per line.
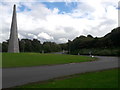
13	46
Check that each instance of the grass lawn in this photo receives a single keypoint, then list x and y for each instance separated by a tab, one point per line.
37	59
0	59
100	79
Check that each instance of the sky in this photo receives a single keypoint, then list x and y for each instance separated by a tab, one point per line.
59	20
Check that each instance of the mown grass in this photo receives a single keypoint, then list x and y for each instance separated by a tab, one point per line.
101	79
0	60
37	59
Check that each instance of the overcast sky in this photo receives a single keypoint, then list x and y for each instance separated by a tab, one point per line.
59	21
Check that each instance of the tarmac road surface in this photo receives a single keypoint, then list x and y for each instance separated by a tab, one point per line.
19	76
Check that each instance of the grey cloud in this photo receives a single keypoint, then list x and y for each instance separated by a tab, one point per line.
102	29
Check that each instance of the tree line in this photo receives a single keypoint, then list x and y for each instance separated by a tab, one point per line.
107	45
28	45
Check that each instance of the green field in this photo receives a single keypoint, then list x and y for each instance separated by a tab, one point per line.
100	79
37	59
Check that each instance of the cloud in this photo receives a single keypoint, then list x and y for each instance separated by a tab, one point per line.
45	36
55	11
62	40
35	20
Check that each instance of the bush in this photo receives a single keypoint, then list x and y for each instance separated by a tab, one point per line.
100	52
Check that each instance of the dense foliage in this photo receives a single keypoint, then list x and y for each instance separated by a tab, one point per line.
27	45
107	45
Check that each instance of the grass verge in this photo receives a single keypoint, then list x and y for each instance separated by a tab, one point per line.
100	79
37	59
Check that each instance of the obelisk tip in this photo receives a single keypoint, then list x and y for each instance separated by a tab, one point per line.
14	5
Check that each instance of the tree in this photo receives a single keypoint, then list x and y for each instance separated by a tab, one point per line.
51	47
28	45
0	47
37	47
89	36
22	45
64	46
115	37
5	46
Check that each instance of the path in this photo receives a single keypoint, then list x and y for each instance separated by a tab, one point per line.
19	76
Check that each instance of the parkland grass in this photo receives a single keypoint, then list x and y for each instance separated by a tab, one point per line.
37	59
100	79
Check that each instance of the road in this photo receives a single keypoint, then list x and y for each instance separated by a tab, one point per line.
19	76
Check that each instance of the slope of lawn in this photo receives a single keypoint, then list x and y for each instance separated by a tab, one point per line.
100	79
37	59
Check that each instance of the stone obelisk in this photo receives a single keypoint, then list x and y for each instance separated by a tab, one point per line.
13	46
